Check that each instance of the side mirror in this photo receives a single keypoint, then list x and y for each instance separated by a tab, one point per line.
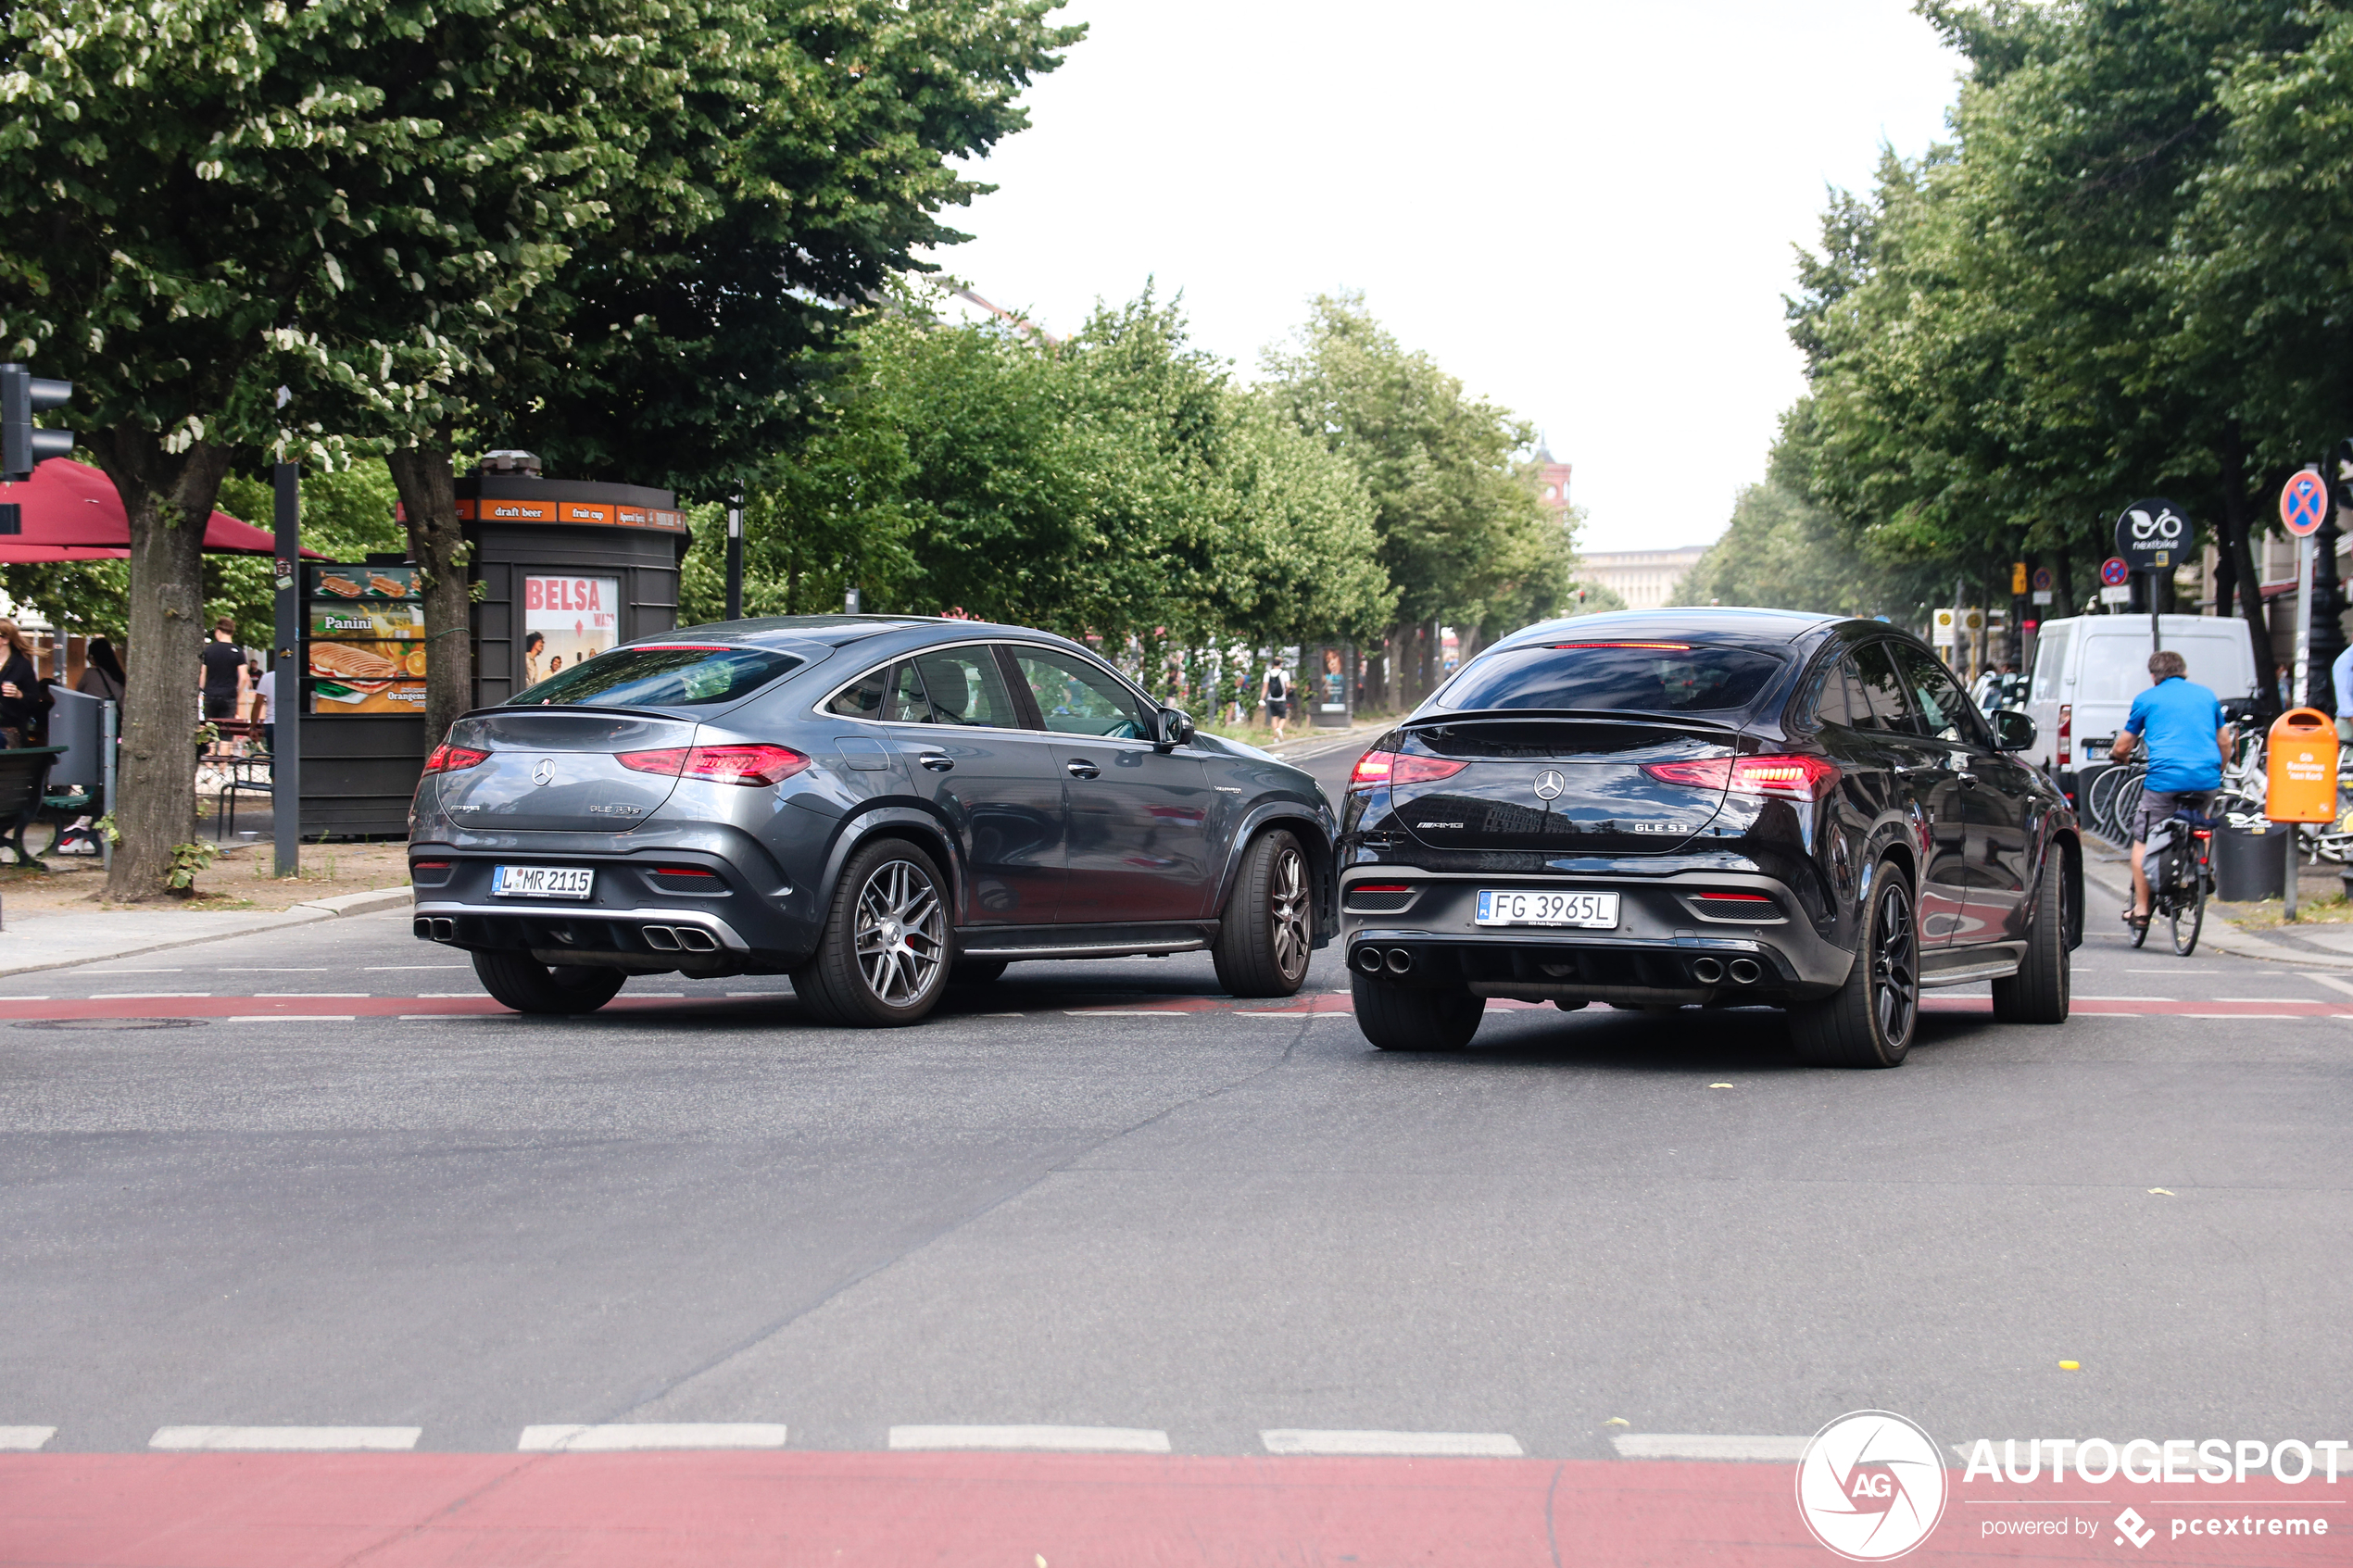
2013	731
1173	728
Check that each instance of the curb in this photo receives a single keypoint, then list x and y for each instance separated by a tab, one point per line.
368	902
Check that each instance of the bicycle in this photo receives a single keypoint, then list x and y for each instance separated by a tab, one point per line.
2179	862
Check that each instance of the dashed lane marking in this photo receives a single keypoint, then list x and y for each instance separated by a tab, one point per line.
1447	1445
1125	1012
292	1018
1705	1444
1068	1439
309	995
287	1439
631	1438
147	996
25	1439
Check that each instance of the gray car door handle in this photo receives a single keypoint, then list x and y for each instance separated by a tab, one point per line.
935	762
1082	768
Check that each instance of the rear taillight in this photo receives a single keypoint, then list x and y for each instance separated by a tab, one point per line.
429	865
2066	735
720	764
447	758
1378	768
1791	778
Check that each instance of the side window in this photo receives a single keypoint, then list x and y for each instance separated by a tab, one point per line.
1828	704
863	700
893	694
1944	711
966	688
1075	698
1878	694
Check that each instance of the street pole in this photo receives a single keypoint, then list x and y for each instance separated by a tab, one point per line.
286	762
2303	617
736	556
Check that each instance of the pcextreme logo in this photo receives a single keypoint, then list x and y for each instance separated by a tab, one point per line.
1871	1485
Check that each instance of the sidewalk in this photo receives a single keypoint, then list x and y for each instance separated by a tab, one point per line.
2319	945
61	939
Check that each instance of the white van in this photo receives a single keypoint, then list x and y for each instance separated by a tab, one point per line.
2089	668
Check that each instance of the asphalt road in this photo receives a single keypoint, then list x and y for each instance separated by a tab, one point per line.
1101	1196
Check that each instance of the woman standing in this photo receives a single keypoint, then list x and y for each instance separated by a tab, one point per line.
101	672
24	698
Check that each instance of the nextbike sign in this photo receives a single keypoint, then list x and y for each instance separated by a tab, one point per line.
2153	535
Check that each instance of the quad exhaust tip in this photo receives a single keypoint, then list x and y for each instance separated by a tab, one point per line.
1708	972
1745	972
436	928
1399	960
679	939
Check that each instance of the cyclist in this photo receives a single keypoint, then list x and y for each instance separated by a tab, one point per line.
2187	737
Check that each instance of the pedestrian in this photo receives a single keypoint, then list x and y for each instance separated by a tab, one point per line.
2341	677
102	674
24	696
222	680
1277	691
534	643
265	707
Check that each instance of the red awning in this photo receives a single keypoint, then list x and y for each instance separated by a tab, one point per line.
72	513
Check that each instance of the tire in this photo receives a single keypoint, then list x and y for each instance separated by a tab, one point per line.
1415	1017
523	983
1869	1022
882	961
1269	931
976	971
2038	993
2189	903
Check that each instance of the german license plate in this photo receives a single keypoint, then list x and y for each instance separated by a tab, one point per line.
541	882
1497	907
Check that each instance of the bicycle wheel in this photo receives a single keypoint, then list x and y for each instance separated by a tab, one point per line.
2189	906
2121	805
2096	798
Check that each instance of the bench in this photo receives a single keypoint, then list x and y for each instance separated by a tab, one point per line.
24	786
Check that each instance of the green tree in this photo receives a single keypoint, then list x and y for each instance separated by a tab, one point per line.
160	170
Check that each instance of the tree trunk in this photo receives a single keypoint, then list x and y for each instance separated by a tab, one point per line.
437	544
167	498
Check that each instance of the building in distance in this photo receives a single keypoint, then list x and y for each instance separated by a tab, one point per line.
1644	578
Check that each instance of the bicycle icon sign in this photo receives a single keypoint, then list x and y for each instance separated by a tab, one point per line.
2304	503
2151	535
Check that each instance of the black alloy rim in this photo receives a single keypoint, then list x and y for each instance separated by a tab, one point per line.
1895	967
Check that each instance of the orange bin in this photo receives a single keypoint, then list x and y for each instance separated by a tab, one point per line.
2301	785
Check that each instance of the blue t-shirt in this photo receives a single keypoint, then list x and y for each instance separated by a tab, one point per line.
2176	720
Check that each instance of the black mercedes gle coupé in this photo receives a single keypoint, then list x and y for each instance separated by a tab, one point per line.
1706	807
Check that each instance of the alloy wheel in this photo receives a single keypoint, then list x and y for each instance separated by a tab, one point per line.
901	935
1288	912
1894	969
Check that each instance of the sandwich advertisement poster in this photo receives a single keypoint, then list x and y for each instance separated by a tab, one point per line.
366	651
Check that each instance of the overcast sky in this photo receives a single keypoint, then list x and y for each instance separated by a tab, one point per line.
1584	209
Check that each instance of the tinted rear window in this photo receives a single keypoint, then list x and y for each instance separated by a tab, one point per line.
660	675
1652	678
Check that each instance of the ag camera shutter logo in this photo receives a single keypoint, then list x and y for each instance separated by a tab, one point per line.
1871	1485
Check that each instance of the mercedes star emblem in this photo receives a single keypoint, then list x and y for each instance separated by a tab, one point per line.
1549	785
543	771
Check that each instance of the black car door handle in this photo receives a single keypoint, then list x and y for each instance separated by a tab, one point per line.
1082	768
935	762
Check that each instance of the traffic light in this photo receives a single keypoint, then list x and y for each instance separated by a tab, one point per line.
23	395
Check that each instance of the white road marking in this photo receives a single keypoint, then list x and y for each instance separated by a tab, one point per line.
389	968
439	996
1123	1012
1076	1439
2273	1000
661	996
289	1439
1462	1445
653	1435
24	1440
291	1017
173	970
2250	1017
303	969
143	996
318	995
2331	979
1707	1445
24	999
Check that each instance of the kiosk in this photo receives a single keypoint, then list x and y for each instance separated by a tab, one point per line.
565	569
